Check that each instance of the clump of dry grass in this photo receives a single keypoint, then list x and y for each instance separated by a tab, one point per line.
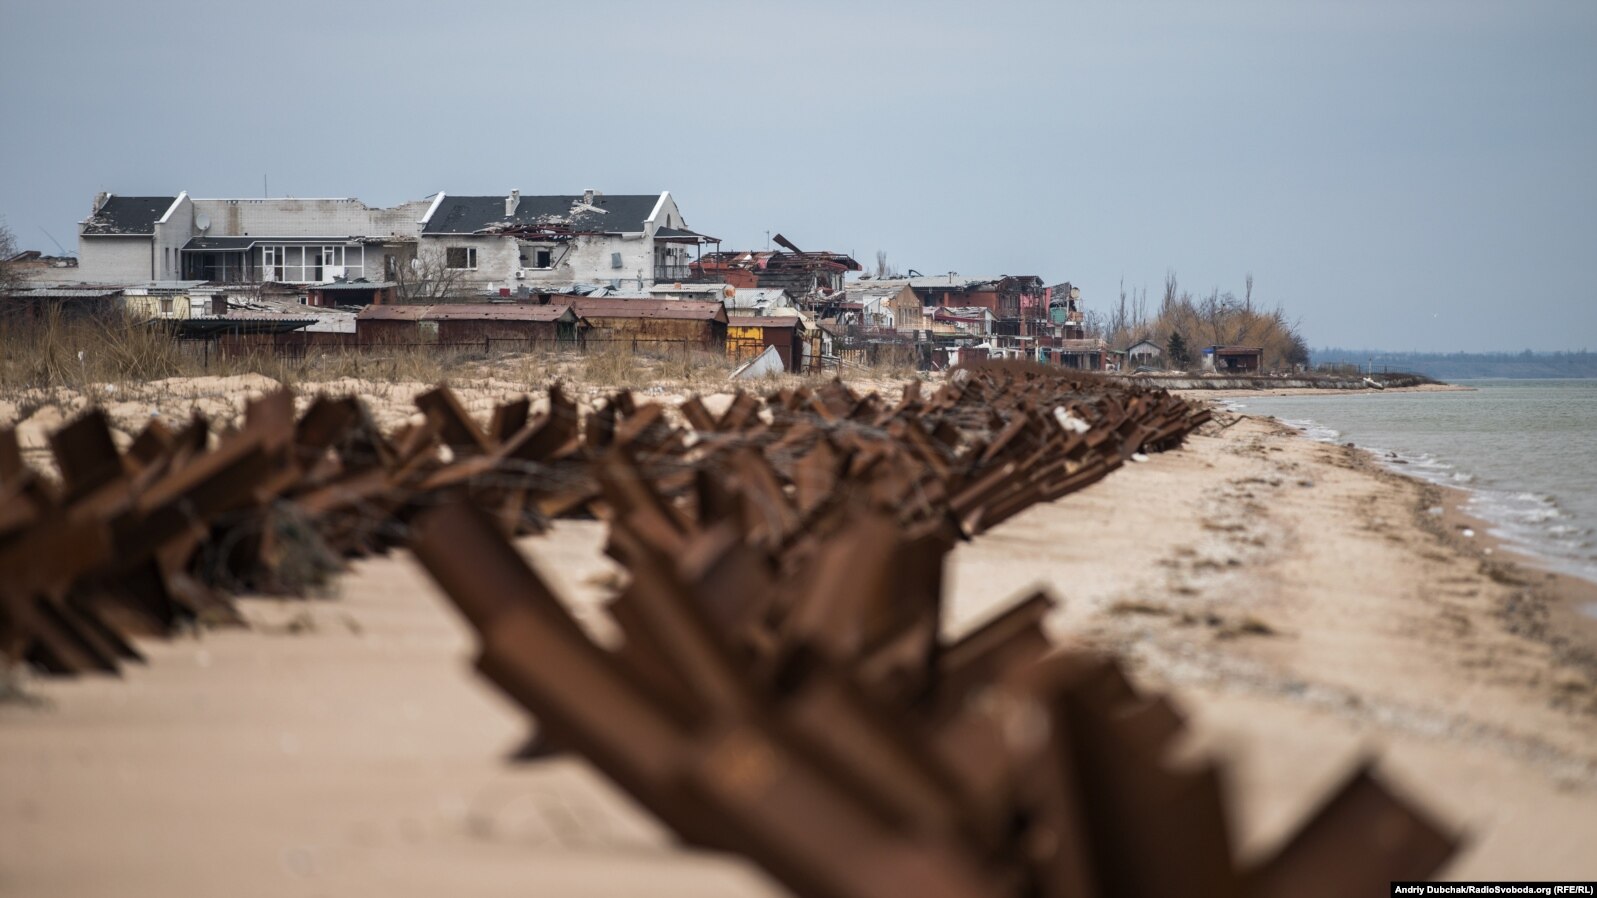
71	361
54	350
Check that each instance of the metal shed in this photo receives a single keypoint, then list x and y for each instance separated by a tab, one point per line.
548	325
748	335
645	322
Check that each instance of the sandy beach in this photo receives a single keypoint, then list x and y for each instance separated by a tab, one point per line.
1306	607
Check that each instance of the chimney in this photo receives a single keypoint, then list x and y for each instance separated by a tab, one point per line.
511	202
588	195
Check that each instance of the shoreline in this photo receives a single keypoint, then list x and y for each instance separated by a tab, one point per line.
1491	549
1232	393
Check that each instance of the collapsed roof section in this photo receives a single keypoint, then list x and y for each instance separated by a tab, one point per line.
547	217
118	216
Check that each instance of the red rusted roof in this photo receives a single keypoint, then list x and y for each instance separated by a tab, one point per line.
678	309
465	311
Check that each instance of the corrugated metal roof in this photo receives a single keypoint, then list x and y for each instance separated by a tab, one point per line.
235	244
66	292
867	288
682	234
352	285
465	311
767	321
681	309
236	324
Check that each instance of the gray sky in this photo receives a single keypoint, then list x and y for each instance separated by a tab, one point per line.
1417	175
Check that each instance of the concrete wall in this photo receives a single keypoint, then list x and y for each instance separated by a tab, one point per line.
585	259
290	217
115	260
497	259
171	234
169	305
666	215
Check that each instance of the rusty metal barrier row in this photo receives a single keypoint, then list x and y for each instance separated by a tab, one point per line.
138	542
784	689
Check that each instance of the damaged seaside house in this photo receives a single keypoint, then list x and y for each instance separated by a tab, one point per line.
1017	302
443	245
294	242
623	241
802	274
1233	359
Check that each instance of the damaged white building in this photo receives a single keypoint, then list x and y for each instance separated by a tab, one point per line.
445	243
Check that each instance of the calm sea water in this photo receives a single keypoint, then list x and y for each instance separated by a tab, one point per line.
1525	449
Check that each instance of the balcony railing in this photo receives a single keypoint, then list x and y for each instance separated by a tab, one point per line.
672	273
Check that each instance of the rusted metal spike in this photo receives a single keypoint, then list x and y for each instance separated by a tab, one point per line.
739	414
154	442
852	581
877	755
699	417
474	565
681	629
601	428
325	424
811	833
1013	637
86	454
454	424
270	419
12	467
716	501
61	643
1137	808
508	418
1358	841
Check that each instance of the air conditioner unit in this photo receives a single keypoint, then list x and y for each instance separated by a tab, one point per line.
520	275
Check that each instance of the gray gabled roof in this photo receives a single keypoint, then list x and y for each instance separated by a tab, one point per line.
121	215
609	214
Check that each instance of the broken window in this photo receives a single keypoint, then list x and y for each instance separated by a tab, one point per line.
461	258
615	260
542	258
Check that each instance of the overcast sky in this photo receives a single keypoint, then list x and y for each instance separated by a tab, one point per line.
1416	175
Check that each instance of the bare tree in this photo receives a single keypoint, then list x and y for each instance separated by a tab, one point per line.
1185	324
10	274
884	269
1119	319
426	277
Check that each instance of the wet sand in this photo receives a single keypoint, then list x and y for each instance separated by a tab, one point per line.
1302	603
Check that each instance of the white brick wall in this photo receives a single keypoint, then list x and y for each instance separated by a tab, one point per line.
113	260
287	217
